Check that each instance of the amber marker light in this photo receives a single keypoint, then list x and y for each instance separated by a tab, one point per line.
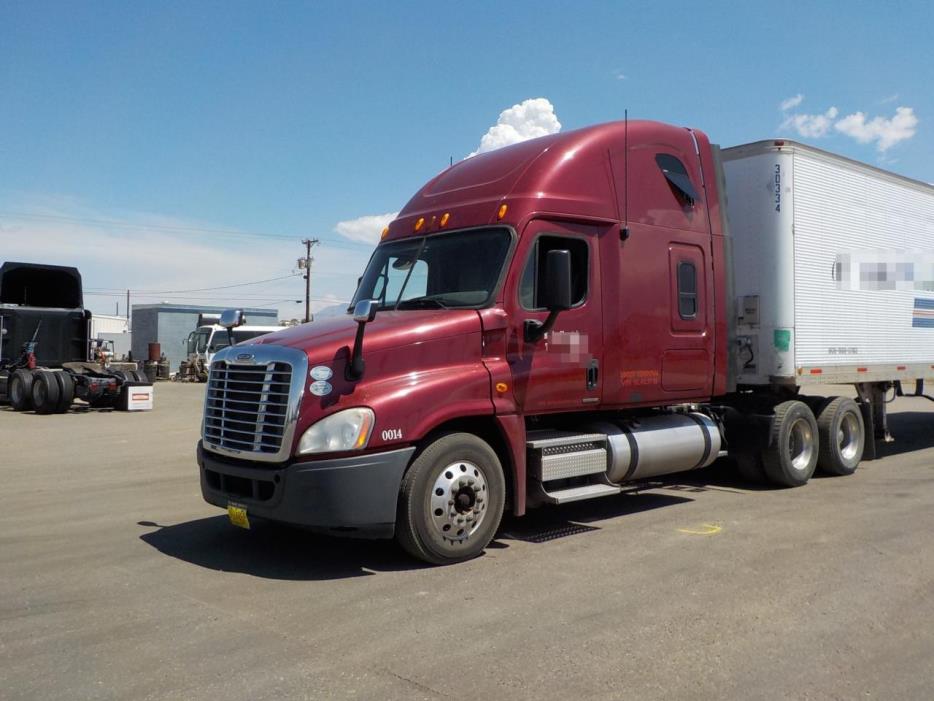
384	234
420	223
444	218
365	427
501	387
502	211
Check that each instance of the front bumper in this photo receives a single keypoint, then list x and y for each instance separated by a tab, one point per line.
352	496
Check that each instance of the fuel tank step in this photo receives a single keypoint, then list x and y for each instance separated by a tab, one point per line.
587	491
557	455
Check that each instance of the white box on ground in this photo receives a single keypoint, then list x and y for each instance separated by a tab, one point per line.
139	398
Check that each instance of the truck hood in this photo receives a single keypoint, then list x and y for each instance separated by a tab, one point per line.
333	336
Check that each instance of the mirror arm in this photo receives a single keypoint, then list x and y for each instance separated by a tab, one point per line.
535	330
357	365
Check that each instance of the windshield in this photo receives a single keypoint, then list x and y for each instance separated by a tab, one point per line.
436	272
198	341
240	335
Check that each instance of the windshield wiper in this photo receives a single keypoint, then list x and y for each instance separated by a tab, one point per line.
421	303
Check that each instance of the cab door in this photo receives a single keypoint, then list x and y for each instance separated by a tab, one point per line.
561	371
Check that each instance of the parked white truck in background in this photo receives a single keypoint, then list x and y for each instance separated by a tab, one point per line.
208	339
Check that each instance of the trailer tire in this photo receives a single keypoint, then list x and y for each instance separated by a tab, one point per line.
20	390
45	392
66	386
451	500
135	376
842	437
791	457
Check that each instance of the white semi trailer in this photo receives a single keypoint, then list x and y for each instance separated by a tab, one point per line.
833	272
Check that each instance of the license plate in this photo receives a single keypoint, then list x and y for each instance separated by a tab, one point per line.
237	516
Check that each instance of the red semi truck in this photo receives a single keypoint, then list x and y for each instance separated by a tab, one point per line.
550	321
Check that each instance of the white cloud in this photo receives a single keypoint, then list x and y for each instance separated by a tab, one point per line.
885	132
620	75
890	98
527	120
365	229
811	125
128	254
791	102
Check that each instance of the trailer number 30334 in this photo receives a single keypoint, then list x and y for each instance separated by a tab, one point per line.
392	434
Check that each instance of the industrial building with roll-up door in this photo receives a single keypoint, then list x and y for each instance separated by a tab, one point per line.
169	326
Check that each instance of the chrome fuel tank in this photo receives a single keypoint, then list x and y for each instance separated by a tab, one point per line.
659	445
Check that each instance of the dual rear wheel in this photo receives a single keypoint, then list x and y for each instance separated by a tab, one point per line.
800	443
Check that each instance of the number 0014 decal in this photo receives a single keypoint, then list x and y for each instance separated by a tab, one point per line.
391	434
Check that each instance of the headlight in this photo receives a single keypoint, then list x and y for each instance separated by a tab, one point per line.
345	430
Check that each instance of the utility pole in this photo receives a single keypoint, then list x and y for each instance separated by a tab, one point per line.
127	310
305	263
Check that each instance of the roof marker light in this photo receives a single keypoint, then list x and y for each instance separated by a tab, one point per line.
502	211
444	218
420	223
384	234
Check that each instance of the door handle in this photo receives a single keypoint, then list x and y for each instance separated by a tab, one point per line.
593	373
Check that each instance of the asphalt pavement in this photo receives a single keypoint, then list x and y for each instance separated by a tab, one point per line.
118	582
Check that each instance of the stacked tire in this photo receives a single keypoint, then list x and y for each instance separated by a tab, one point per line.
42	390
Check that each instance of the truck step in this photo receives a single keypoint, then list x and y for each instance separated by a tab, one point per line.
588	491
562	454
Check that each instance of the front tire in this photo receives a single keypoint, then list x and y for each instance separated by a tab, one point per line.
842	437
791	457
451	500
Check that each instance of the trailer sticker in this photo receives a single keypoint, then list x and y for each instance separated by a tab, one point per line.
922	316
778	187
781	338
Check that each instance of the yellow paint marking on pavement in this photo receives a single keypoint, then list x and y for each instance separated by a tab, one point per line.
705	529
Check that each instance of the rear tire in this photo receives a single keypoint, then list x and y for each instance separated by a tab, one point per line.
791	457
45	392
451	500
20	390
842	437
66	386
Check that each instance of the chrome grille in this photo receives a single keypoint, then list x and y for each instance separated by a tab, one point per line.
251	407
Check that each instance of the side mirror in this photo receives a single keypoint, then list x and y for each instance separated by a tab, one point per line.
555	294
232	318
556	287
364	311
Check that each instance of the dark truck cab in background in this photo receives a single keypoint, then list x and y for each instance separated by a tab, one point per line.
540	324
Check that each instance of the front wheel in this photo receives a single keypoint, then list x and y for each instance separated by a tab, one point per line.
451	500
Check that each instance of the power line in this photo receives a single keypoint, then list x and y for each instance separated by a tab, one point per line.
337	243
205	289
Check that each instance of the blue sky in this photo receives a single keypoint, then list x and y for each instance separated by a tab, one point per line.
270	122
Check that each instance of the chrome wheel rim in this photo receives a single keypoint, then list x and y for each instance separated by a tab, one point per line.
459	501
848	436
800	444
